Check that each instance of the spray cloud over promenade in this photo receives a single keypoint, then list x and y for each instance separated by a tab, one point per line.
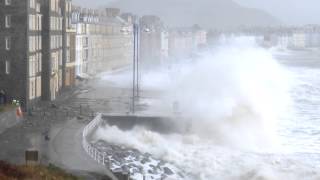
235	95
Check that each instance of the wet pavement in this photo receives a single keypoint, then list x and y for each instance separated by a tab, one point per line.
55	130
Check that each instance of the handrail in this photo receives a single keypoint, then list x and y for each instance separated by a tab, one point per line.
91	150
100	157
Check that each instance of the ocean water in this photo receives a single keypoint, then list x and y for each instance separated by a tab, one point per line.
255	114
300	127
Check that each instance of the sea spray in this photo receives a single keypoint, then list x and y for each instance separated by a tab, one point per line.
234	95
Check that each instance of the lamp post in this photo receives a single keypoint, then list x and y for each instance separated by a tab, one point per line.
138	59
136	62
135	78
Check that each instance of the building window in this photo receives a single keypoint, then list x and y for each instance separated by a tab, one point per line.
31	22
7	2
8	21
39	23
38	7
8	43
31	44
32	4
7	70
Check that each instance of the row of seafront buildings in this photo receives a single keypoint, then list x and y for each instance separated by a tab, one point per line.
104	40
286	37
46	45
300	38
159	44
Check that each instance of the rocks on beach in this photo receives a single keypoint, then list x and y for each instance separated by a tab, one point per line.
121	159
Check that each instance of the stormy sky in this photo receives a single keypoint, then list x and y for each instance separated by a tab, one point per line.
289	11
292	12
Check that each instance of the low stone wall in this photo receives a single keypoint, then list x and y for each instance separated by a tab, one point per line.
7	120
164	125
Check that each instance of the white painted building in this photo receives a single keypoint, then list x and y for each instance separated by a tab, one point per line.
285	41
299	40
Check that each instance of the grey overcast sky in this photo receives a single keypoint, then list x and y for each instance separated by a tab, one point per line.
293	12
288	11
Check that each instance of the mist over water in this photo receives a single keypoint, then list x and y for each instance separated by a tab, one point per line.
232	99
233	93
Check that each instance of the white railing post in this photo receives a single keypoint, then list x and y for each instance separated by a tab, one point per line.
91	150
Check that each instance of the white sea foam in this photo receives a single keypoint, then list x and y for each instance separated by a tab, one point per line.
234	95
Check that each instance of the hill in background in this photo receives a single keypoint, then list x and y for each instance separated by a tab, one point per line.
206	13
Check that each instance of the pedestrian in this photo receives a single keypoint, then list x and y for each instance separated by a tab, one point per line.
46	135
2	97
19	113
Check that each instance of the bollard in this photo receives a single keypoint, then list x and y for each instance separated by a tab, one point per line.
80	109
95	154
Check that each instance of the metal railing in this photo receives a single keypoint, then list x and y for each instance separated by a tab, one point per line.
93	152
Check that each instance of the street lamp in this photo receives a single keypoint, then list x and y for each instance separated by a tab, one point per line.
135	79
136	62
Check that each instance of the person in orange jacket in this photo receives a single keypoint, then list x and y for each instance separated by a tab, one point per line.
19	112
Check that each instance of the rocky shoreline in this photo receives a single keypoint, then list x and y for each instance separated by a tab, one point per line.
137	164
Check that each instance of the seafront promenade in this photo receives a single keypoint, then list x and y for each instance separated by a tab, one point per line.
55	129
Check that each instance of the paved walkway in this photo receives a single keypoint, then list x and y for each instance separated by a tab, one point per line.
8	119
59	120
64	148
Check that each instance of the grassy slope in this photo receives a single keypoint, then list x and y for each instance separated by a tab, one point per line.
11	172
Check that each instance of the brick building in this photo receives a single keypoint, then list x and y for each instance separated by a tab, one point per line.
68	44
36	53
52	48
20	50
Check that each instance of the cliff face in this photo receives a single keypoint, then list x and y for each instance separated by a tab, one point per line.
207	13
